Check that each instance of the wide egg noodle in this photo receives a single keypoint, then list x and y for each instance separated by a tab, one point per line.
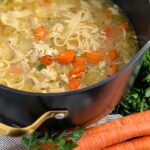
77	30
11	17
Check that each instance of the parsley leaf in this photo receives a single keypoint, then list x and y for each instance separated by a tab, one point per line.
31	141
41	67
70	146
61	143
74	136
137	98
56	141
47	138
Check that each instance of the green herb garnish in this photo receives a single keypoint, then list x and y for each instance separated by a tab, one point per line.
137	98
31	141
41	67
56	141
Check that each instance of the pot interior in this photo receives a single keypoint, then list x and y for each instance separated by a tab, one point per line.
138	12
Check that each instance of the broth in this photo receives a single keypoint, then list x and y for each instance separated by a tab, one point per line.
50	46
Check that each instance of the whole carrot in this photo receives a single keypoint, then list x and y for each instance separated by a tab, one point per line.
142	143
128	120
108	137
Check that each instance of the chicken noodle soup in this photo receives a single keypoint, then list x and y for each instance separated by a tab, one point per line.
50	46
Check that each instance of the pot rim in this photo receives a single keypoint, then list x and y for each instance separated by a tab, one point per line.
132	62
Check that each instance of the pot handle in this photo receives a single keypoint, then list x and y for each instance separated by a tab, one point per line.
11	131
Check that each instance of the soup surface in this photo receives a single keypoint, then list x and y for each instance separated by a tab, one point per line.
50	46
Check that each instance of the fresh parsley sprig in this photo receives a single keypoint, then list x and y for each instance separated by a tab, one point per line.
137	98
65	140
41	67
31	141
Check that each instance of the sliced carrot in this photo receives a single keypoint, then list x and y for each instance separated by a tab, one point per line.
16	70
76	76
141	143
123	26
24	7
112	54
1	27
114	69
77	70
46	2
107	14
46	146
46	60
108	31
74	84
65	57
79	61
94	57
40	33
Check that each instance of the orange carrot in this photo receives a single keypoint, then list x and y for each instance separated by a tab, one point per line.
112	54
114	69
103	139
46	60
1	27
79	61
76	76
46	146
65	57
128	120
107	14
108	31
142	143
77	70
94	57
40	33
16	70
46	2
123	26
74	84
